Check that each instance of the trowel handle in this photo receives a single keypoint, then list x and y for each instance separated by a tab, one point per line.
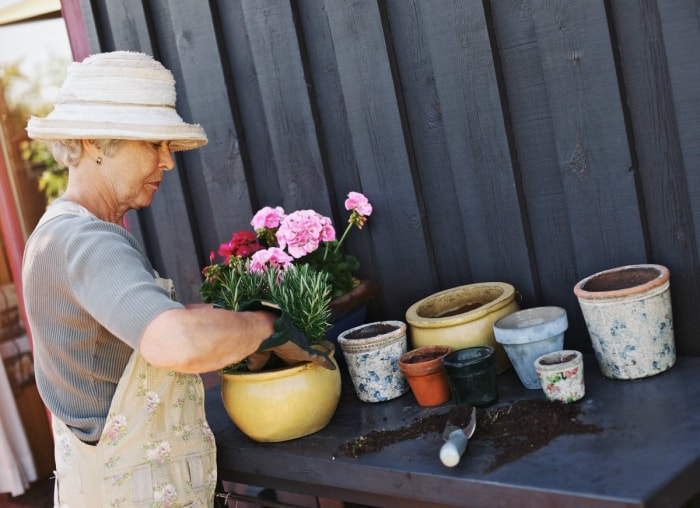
453	448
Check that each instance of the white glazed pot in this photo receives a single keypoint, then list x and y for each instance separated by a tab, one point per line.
528	334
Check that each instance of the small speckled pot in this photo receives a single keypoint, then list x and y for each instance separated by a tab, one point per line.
561	375
628	314
372	353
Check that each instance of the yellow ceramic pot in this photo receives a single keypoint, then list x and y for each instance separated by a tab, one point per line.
282	404
463	317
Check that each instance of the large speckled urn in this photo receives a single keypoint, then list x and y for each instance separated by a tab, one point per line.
463	317
372	353
628	314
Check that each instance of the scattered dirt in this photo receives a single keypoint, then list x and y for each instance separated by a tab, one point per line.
515	430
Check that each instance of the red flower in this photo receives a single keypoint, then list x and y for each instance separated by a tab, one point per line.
243	244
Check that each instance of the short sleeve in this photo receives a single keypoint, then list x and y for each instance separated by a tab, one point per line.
113	280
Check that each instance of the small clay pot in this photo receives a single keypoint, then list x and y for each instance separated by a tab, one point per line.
426	375
561	375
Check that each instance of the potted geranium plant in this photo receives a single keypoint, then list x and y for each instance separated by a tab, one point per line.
295	263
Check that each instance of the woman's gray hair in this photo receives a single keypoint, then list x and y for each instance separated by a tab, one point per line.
69	151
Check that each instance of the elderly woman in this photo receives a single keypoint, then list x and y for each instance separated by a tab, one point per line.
116	355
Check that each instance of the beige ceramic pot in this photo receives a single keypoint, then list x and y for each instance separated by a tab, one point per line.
282	404
629	319
463	317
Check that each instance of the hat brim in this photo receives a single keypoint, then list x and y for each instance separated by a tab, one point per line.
182	136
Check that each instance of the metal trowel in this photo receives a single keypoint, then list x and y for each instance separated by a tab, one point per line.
456	439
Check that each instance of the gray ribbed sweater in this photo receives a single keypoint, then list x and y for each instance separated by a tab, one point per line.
89	293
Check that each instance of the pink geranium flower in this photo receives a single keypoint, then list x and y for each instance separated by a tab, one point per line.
303	237
359	203
302	232
274	256
267	217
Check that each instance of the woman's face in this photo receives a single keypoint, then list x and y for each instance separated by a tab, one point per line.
135	172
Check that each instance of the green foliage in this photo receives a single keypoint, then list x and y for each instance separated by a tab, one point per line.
340	267
26	96
54	178
302	292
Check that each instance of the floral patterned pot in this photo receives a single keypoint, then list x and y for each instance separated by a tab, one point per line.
372	353
561	375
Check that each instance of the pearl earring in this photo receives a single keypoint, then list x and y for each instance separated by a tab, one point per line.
99	161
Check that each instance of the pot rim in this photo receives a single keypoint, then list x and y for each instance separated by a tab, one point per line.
560	365
545	322
417	321
457	362
397	333
662	277
426	366
289	370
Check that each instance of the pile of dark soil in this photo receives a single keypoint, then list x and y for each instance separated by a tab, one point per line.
514	430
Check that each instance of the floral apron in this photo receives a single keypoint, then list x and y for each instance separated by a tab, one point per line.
156	449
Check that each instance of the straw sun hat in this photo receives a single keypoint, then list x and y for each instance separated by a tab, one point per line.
118	95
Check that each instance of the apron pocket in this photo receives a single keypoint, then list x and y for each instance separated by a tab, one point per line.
186	481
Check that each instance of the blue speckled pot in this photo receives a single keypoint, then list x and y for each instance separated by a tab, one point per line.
372	353
628	315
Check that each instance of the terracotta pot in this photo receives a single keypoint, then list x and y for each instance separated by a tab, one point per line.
629	318
372	353
282	404
426	375
463	317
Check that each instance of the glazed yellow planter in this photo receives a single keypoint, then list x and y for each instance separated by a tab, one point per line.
463	317
282	404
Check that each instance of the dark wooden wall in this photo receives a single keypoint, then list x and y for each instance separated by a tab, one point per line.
528	141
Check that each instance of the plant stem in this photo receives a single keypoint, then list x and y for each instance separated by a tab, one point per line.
342	238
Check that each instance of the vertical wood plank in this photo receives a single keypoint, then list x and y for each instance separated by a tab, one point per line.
427	141
591	138
660	143
534	137
294	152
481	167
89	19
